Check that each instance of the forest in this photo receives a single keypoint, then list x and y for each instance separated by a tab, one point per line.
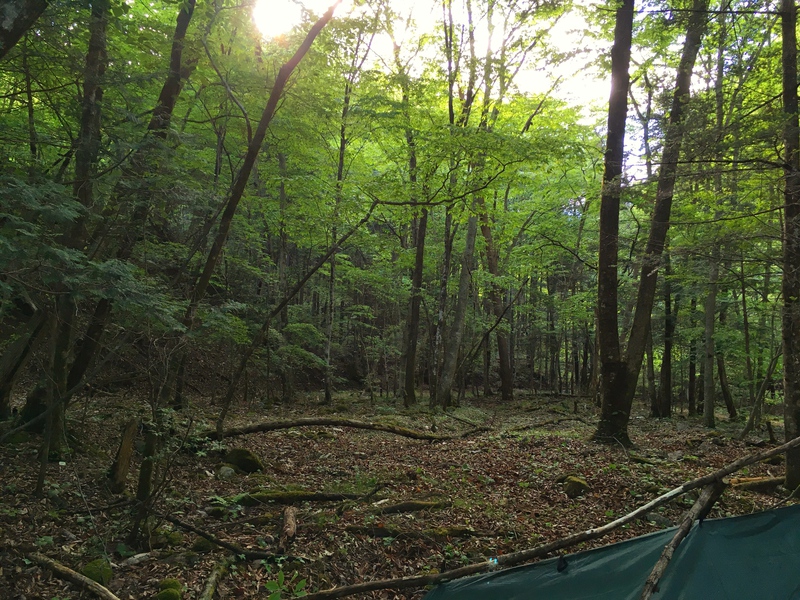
388	290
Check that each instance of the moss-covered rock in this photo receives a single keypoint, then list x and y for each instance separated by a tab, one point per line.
218	512
164	538
170	584
225	472
169	594
575	486
20	437
202	545
98	570
244	460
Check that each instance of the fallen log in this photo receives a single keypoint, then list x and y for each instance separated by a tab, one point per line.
409	506
290	497
699	509
217	573
289	528
516	558
233	548
764	485
67	574
212	434
439	534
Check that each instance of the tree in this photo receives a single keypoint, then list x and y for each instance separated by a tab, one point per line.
16	17
791	240
619	376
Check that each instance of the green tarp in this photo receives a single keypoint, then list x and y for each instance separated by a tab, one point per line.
753	557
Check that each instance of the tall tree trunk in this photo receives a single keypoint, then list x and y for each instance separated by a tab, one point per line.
621	376
791	241
83	190
16	355
412	327
748	361
723	372
692	383
157	127
710	351
498	308
419	229
613	376
456	332
329	317
649	382
670	317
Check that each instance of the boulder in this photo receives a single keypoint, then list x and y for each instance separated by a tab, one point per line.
243	460
98	570
575	486
225	472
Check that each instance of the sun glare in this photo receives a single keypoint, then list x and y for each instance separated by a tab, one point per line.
277	17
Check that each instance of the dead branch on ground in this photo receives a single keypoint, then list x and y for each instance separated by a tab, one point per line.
236	550
289	528
67	574
331	422
408	506
217	573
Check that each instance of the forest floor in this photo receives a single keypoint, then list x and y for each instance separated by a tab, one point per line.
492	493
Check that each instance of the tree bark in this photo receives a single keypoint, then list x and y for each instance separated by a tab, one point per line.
692	383
620	388
722	372
498	309
15	357
670	318
710	351
791	241
456	332
17	17
613	376
412	327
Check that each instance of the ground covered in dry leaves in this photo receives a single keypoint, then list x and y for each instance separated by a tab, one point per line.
494	492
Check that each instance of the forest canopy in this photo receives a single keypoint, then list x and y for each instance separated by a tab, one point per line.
416	212
213	203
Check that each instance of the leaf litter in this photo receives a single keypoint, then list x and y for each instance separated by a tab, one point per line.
468	499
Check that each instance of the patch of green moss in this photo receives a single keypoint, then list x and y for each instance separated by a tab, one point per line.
168	594
244	460
98	570
174	538
170	584
218	512
202	545
575	486
19	437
